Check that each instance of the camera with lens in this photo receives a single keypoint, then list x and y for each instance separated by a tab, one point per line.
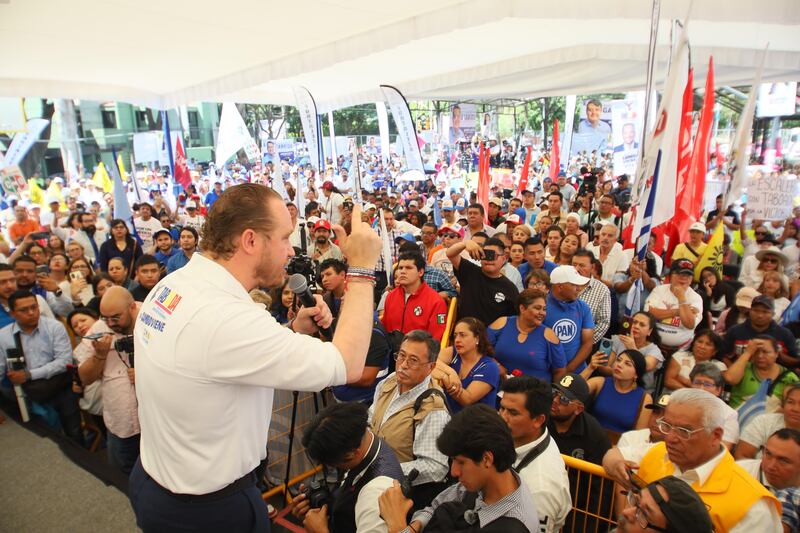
16	361
304	265
318	494
125	344
589	184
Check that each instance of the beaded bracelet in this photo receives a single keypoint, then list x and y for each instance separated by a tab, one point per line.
360	277
361	271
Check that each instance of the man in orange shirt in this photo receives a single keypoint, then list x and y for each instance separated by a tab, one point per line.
21	226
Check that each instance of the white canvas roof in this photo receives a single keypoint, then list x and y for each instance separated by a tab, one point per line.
170	52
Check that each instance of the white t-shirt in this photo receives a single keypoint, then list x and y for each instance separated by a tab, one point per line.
686	363
146	229
760	428
195	222
634	444
207	361
546	478
672	332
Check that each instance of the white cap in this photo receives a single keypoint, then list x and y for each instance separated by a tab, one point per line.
567	274
191	204
574	216
698	226
414	203
312	220
368	206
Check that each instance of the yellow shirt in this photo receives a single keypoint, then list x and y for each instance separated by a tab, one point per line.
682	252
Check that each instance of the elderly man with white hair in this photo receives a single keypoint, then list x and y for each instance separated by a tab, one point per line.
609	253
693	452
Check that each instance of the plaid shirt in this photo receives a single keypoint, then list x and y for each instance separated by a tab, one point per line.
598	298
438	281
393	234
431	464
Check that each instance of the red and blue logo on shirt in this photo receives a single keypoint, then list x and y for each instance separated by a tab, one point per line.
167	300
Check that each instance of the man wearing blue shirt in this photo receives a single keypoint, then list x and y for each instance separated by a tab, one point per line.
570	318
47	351
534	258
214	194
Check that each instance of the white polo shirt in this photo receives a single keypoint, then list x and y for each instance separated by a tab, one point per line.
207	361
546	478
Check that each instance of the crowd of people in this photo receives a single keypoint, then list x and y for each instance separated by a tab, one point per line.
697	387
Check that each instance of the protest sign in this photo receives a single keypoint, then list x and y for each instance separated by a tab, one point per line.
770	197
13	180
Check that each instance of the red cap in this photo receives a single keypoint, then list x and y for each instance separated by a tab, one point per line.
322	224
328	186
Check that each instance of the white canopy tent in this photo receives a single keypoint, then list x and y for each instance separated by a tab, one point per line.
167	53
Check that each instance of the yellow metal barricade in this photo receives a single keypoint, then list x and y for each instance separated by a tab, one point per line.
451	318
593	494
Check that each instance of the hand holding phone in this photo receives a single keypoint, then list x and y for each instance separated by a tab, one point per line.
96	336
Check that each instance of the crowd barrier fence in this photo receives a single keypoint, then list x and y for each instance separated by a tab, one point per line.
592	491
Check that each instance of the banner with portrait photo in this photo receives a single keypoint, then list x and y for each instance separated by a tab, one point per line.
461	123
594	127
273	150
626	124
776	99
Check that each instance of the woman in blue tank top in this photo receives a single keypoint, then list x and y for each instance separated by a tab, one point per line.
619	399
466	370
523	345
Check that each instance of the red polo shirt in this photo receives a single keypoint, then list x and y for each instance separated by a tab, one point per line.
424	309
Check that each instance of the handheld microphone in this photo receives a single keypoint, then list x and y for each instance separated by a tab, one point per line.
298	285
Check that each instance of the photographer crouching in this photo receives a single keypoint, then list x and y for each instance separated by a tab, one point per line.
112	362
339	437
208	359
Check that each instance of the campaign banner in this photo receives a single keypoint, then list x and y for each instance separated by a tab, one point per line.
147	146
308	118
627	121
405	127
594	127
274	150
12	180
462	123
24	140
383	128
770	197
488	122
776	99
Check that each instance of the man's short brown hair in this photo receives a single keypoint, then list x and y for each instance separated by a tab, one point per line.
238	208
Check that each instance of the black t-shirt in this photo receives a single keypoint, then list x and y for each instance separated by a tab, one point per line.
377	356
729	213
741	333
482	297
140	293
585	439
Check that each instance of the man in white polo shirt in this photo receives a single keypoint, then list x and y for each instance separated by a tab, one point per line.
208	359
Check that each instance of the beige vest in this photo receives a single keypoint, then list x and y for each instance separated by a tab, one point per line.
398	429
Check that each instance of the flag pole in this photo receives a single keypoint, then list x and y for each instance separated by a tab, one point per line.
655	18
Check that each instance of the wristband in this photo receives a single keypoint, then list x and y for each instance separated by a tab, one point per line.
361	271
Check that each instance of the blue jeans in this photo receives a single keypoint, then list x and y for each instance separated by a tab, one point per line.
122	452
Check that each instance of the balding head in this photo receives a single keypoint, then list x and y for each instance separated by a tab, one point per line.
118	309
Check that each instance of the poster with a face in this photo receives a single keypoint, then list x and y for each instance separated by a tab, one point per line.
462	123
373	145
627	118
594	127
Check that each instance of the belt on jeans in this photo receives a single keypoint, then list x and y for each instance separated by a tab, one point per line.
240	484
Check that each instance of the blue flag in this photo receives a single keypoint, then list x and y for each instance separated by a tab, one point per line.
437	212
756	405
168	141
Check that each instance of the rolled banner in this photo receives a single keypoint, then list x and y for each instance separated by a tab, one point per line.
405	127
308	118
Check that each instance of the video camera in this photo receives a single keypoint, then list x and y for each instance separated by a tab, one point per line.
16	362
305	266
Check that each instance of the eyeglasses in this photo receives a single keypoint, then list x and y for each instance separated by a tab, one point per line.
684	434
110	319
450	235
410	361
635	500
563	400
772	260
704	384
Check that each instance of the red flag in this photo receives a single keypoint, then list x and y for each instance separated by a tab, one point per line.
182	175
554	154
483	181
720	157
692	203
684	161
523	178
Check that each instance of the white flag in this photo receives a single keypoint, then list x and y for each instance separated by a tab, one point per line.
233	136
664	139
383	128
405	127
741	141
386	250
24	140
308	118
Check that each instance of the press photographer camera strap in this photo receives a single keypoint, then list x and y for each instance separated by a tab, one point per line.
533	454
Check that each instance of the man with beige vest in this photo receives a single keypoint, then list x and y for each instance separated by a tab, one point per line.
409	412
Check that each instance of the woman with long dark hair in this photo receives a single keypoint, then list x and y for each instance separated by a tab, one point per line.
122	245
717	295
466	369
706	346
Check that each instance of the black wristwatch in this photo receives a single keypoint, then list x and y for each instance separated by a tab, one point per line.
58	293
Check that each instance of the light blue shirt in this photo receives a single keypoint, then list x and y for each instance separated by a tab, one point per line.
47	348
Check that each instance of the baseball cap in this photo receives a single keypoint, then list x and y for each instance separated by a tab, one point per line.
159	232
313	220
191	204
574	387
461	203
745	296
414	203
766	301
574	216
496	201
328	185
324	224
447	205
513	219
567	274
454	228
682	266
405	237
660	404
527	191
683	508
369	206
698	226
